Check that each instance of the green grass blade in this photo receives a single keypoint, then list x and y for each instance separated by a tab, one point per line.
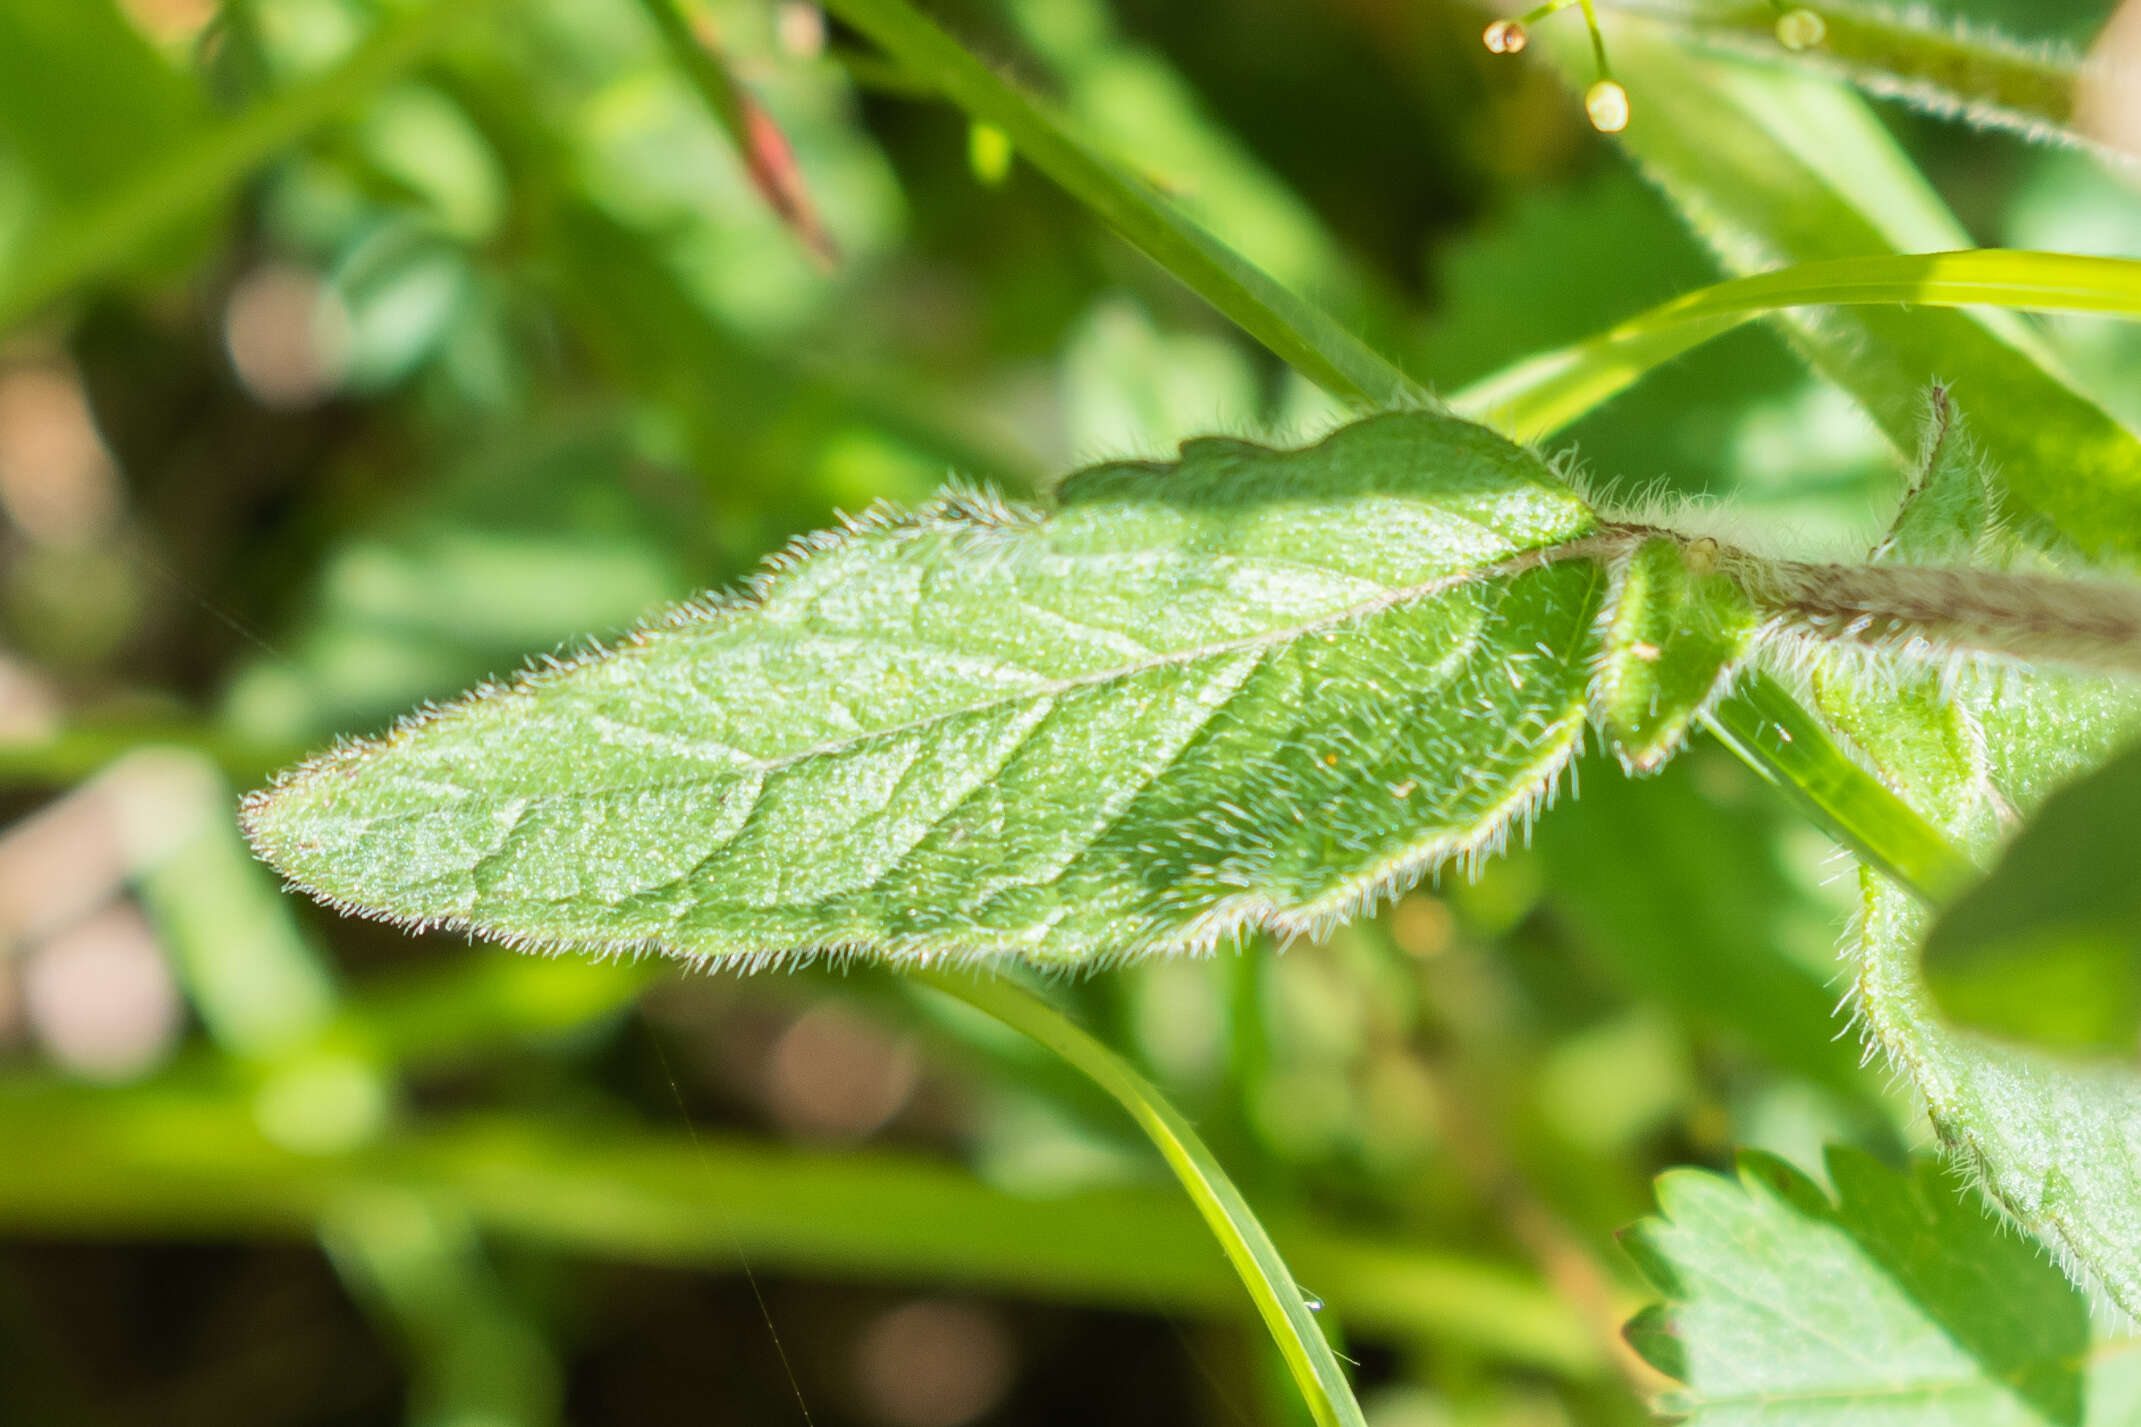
185	1157
1541	395
95	236
1305	337
1278	1298
1779	739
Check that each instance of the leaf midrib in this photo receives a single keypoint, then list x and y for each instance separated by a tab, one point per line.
1592	543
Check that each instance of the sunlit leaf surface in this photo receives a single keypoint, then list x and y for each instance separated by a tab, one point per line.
1256	688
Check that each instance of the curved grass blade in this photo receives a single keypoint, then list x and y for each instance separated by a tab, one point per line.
1541	395
1301	334
1278	1298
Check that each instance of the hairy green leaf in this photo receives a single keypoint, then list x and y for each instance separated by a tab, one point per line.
2056	1143
1256	688
1900	1302
2048	948
1787	168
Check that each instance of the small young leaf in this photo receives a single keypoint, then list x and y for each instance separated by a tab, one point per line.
1902	1302
1256	688
1679	628
2048	948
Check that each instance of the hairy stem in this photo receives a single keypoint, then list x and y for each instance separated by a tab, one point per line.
1930	611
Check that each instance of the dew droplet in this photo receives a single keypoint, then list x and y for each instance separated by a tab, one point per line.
1607	104
1801	29
1506	37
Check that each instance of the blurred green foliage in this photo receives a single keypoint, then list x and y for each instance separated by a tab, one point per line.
358	350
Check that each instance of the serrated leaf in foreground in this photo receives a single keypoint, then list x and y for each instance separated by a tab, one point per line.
1253	688
1900	1303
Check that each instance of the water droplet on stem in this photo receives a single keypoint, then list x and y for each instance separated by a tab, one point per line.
1801	29
1506	37
1607	104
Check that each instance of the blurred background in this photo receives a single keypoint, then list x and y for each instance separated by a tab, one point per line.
352	351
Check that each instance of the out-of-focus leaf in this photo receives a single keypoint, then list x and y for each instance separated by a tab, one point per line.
109	226
1133	102
1131	390
652	153
537	543
1901	1302
1775	168
2048	948
1947	67
1302	335
475	1354
85	102
767	157
260	988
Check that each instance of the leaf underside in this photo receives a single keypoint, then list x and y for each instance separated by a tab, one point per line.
1253	688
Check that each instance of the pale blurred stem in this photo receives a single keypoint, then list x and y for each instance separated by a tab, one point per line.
74	751
183	1156
1498	1182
